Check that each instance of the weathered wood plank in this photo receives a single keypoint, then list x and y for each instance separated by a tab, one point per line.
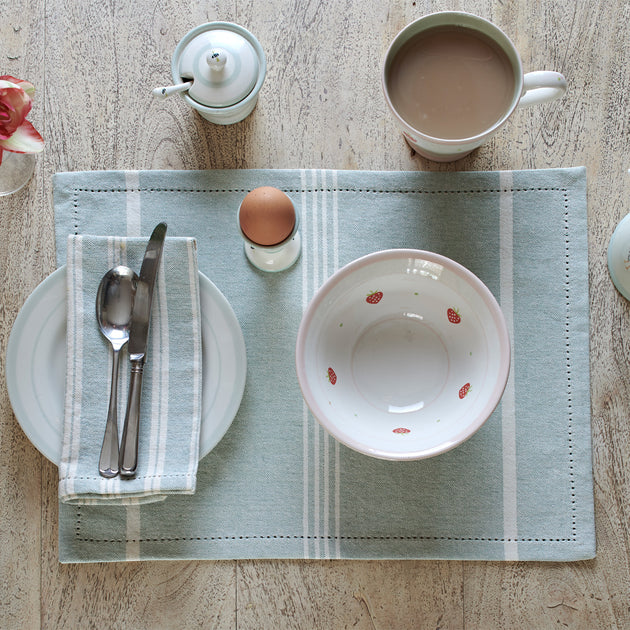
24	254
95	64
350	594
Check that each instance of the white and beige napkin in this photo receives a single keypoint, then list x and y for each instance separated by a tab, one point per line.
171	393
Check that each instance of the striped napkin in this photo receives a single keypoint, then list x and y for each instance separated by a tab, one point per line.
171	393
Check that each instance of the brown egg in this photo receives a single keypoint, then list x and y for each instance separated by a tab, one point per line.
267	216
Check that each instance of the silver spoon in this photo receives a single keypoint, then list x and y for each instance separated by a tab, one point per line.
114	302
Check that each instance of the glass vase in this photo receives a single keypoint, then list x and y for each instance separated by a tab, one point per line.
16	171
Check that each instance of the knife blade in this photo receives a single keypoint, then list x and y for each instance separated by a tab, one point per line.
137	349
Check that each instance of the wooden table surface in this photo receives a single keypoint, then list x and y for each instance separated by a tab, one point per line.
94	64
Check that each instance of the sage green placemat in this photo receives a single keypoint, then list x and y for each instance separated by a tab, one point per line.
277	486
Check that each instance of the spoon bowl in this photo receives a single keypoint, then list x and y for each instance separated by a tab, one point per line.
114	303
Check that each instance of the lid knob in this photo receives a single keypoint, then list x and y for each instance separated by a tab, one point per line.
217	58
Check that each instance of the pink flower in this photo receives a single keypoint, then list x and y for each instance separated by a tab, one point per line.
16	133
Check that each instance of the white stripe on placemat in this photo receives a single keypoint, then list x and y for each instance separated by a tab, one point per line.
321	454
329	239
305	413
316	427
335	211
326	438
326	515
508	406
326	239
132	546
132	185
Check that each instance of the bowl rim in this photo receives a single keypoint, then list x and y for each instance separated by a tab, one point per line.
394	254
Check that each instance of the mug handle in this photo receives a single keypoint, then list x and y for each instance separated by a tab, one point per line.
542	86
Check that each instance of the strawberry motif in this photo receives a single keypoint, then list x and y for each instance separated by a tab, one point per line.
374	297
453	316
401	430
464	390
332	377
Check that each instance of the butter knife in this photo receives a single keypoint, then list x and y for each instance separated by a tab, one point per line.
137	349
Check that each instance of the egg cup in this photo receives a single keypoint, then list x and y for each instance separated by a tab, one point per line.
277	257
269	226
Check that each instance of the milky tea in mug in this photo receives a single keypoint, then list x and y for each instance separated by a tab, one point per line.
451	82
452	79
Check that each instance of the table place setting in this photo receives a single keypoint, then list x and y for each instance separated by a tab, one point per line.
271	482
321	363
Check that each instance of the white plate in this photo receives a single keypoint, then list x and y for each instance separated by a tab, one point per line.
36	365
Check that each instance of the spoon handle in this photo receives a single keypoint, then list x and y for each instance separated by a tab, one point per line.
108	463
129	443
165	92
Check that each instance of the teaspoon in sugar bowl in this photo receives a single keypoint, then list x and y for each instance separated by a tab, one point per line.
114	303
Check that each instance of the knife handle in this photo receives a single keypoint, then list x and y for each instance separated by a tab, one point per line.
129	443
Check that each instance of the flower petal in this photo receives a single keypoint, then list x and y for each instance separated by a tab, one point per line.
29	88
26	139
15	104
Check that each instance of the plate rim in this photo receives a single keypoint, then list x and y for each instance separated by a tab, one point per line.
52	283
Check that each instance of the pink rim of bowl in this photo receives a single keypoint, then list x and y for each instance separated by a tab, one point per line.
503	362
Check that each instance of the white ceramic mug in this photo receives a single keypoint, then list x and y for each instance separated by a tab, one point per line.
528	89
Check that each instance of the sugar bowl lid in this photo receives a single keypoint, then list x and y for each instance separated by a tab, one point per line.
222	63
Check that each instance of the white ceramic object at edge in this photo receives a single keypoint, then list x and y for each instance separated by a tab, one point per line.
619	257
403	354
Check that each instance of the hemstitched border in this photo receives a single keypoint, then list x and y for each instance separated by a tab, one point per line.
227	538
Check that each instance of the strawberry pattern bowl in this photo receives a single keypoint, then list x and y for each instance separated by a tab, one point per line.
403	354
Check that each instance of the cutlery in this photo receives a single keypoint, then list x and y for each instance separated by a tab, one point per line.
137	349
114	301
